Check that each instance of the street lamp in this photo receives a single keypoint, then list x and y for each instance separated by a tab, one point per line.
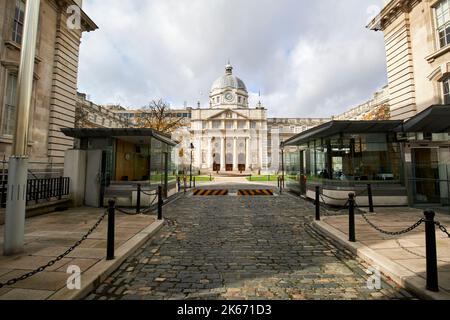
190	171
282	161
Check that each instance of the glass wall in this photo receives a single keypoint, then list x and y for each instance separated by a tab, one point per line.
295	168
355	157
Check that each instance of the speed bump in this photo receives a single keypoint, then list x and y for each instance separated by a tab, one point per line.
206	193
264	192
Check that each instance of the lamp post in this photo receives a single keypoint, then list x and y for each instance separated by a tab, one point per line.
282	160
190	170
18	162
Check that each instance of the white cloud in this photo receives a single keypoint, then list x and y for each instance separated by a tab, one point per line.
307	58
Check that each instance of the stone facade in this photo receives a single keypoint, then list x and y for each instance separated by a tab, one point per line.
55	77
418	54
91	115
375	109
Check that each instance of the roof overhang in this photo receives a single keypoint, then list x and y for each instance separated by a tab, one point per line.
390	12
81	133
335	127
435	119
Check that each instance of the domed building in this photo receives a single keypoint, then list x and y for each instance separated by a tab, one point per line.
229	90
229	135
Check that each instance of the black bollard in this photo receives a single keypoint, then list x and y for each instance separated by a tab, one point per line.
317	203
111	230
160	203
431	252
351	210
370	195
60	190
138	199
179	183
195	182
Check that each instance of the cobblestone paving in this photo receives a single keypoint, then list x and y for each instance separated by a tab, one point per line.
231	248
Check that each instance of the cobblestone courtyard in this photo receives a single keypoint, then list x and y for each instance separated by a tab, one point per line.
241	248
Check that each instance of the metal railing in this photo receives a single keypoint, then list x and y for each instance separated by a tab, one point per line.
40	189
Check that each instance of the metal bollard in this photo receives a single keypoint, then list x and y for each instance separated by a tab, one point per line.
195	182
210	177
179	183
138	200
160	203
111	230
351	210
370	195
431	252
60	191
317	203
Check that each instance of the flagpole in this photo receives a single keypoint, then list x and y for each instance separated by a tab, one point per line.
18	162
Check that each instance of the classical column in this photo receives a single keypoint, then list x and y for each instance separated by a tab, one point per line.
222	155
235	155
209	161
247	154
260	149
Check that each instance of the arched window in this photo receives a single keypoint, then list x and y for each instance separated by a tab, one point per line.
446	90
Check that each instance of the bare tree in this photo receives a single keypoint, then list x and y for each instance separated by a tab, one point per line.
157	116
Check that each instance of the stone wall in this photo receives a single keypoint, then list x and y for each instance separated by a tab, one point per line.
55	83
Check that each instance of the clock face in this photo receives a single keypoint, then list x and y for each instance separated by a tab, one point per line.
229	97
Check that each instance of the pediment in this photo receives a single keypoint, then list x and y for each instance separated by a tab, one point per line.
225	114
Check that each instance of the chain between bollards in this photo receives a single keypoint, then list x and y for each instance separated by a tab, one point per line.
431	252
111	230
351	217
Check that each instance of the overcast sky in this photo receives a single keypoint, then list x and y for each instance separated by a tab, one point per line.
308	58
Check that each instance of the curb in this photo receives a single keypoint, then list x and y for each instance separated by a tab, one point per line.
94	276
399	274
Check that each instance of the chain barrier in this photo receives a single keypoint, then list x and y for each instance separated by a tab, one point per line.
57	259
149	194
391	233
150	208
442	228
329	209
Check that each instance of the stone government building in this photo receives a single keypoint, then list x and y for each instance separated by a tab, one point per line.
55	78
231	136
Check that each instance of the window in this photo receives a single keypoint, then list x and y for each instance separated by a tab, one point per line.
253	125
240	99
443	22
9	111
446	90
19	17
